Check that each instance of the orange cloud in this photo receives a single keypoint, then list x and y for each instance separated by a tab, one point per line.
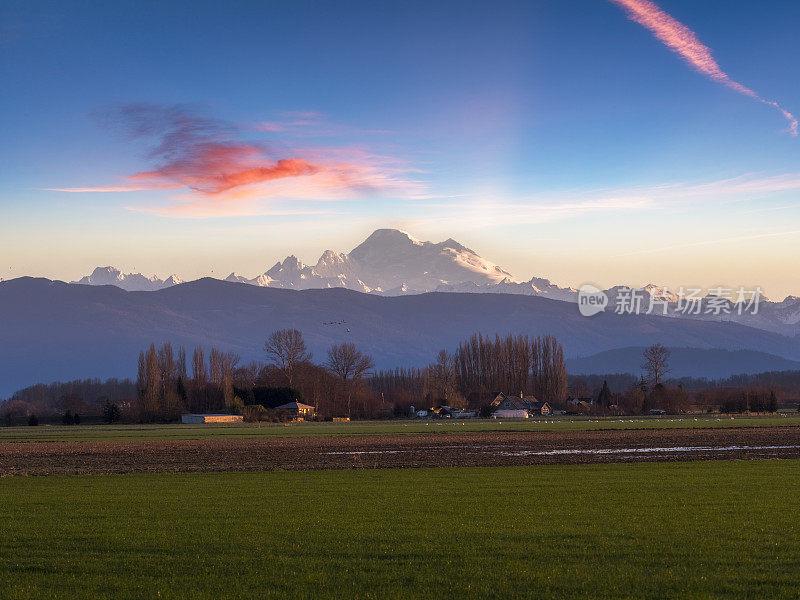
683	41
221	169
223	174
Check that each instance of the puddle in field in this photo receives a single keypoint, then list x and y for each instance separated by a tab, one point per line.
572	451
663	450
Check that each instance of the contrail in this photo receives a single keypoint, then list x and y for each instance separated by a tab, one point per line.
682	40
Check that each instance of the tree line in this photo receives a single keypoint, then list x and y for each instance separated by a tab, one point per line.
78	397
653	390
480	367
169	383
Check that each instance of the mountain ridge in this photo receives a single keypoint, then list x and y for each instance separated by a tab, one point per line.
391	262
105	327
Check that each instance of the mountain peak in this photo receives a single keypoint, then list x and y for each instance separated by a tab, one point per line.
383	240
291	265
454	245
132	282
390	259
107	272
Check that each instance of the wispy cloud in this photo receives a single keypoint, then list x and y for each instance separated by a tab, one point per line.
113	188
710	242
683	41
222	172
564	205
310	124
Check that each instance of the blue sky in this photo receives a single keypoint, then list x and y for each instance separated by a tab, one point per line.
561	139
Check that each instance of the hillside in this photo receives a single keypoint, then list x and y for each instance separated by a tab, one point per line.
65	331
711	363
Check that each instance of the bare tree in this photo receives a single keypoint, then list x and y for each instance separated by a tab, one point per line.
349	364
512	363
656	363
286	349
442	379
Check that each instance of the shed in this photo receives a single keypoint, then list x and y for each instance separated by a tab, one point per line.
297	409
194	419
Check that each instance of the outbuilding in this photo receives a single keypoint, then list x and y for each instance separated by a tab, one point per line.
297	409
195	419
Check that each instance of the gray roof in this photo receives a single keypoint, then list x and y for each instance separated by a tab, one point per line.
295	406
520	403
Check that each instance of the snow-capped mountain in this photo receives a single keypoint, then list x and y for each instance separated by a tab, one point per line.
393	263
389	262
660	293
780	317
331	270
132	282
389	259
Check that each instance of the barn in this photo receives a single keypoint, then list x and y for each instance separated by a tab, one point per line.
195	419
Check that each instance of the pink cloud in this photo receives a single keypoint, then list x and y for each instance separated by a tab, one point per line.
270	126
216	168
683	41
224	174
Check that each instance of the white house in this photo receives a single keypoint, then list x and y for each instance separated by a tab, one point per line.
510	413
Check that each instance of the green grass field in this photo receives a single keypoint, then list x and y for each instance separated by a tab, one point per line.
86	433
657	530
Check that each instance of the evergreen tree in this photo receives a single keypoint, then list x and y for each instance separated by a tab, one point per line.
772	402
604	398
111	412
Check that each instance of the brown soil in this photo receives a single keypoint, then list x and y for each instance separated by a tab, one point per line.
378	451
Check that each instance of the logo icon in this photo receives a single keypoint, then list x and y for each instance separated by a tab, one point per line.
591	300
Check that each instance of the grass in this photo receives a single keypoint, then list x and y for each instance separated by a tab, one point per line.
88	433
657	530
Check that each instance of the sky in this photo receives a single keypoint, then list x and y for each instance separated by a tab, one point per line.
603	141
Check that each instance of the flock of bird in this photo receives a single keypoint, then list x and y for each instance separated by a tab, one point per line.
336	324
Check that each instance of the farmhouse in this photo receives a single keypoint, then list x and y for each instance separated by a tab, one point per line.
527	403
212	419
297	409
580	405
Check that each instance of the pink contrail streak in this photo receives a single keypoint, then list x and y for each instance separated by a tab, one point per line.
682	40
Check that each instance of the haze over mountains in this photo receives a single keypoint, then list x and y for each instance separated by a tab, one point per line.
58	331
393	263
